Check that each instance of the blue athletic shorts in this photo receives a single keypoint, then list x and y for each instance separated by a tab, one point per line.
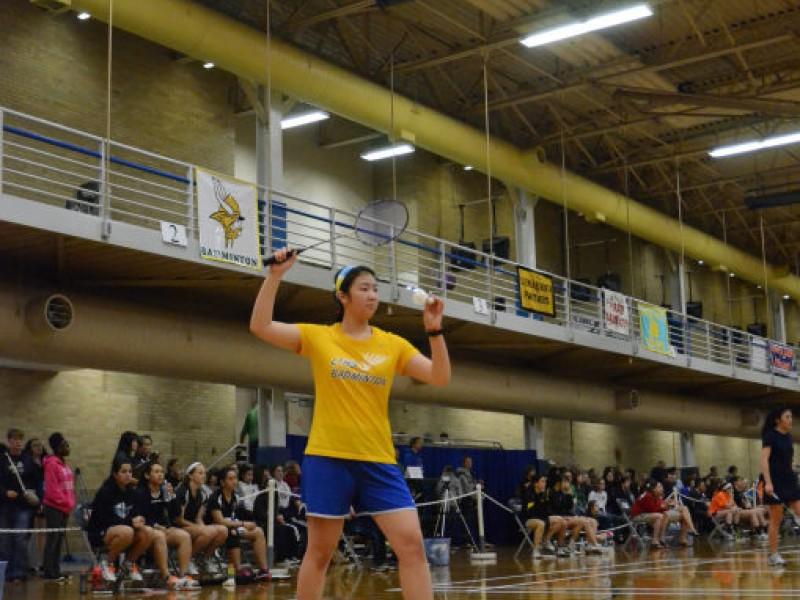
330	486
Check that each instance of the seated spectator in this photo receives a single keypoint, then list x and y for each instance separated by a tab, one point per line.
18	504
723	508
733	473
127	448
563	505
659	472
756	516
538	518
143	456
636	486
173	473
678	513
698	505
115	524
582	489
156	502
223	506
713	473
287	536
670	481
283	489
621	498
650	508
292	475
212	480
58	502
246	490
605	519
191	497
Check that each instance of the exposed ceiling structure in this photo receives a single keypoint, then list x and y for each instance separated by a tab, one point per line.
634	108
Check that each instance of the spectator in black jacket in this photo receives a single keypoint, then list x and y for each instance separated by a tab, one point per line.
127	446
538	517
157	503
621	497
223	506
563	505
192	496
115	524
15	511
286	535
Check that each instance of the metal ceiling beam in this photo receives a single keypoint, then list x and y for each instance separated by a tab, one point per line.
773	108
528	97
343	11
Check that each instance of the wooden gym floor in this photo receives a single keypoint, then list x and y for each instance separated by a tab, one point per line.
732	571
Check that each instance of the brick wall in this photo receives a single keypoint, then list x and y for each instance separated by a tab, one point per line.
54	67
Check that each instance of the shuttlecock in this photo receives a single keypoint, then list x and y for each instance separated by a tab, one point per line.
419	297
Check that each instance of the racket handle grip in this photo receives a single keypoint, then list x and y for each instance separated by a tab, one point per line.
273	261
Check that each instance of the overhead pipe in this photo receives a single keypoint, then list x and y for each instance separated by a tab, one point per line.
112	335
204	34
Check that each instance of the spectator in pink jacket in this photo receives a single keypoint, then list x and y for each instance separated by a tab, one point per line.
59	500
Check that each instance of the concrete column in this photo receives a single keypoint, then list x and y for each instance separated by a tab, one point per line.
534	435
269	142
778	316
524	226
687	457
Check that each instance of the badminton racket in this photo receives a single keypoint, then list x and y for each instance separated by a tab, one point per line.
377	224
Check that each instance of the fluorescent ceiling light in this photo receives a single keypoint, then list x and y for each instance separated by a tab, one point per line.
786	297
626	15
468	168
772	142
731	274
83	16
304	119
208	65
389	152
700	262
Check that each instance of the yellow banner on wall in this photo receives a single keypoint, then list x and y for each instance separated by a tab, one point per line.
654	328
536	292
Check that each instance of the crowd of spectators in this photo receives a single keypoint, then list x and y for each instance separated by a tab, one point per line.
147	508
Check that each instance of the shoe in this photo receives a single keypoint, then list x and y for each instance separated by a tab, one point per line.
563	552
230	582
134	574
192	570
108	572
537	555
189	583
775	560
263	575
762	537
173	583
58	579
594	549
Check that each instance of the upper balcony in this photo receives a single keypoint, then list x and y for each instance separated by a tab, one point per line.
117	204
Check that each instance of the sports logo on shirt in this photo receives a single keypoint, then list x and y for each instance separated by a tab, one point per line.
122	510
351	370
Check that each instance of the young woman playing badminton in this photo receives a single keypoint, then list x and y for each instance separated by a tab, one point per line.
780	480
350	459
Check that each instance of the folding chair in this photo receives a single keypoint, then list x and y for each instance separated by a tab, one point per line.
515	504
719	530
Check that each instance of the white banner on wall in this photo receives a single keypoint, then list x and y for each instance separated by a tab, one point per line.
616	313
227	215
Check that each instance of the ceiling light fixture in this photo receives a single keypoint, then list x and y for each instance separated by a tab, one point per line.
787	297
304	119
570	30
388	152
753	146
468	167
208	65
701	262
83	16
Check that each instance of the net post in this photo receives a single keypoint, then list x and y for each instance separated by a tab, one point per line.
479	504
271	523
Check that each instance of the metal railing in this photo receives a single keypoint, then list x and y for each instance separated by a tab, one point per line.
49	163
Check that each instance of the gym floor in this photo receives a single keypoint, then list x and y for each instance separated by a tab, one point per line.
731	571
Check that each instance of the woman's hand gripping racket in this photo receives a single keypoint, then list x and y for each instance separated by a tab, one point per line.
377	224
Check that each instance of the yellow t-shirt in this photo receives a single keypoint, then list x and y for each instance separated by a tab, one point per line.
352	380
